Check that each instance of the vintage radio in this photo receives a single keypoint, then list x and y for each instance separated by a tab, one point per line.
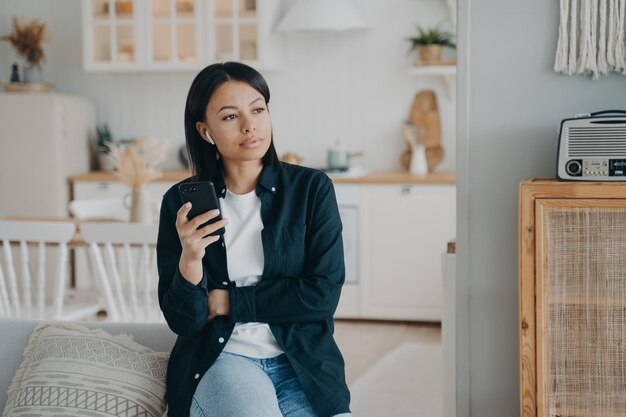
592	147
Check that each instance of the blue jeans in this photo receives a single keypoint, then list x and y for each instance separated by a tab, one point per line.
239	386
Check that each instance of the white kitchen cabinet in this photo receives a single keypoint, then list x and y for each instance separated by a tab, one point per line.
404	231
87	190
152	35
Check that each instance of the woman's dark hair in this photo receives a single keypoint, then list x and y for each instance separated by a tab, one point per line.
203	156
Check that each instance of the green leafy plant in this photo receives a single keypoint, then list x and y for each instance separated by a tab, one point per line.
104	139
432	36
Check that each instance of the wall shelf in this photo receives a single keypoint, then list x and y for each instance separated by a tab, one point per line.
447	72
433	70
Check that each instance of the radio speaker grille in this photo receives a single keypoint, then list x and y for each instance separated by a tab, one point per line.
596	141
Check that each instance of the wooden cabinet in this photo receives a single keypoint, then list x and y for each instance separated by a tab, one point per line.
572	299
152	35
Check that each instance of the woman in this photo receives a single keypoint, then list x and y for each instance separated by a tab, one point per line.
253	309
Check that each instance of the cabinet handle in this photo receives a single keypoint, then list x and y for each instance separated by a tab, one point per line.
104	186
408	190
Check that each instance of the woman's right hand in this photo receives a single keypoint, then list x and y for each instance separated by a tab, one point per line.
194	242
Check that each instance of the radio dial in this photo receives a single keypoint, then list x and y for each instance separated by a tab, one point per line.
573	168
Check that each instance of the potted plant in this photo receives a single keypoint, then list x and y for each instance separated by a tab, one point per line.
104	143
27	38
430	43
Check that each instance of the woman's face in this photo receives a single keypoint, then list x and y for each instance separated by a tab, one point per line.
238	121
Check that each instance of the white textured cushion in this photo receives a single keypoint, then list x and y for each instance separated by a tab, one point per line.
70	370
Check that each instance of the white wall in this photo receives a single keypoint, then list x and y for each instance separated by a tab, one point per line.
510	107
353	86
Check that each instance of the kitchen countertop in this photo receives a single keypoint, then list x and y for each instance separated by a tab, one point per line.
376	177
399	177
174	175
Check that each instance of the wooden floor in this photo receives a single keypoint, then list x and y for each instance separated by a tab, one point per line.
363	343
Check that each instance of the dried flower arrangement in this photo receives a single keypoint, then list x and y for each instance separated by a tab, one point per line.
136	164
27	38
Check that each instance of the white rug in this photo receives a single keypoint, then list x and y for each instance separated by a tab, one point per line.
408	381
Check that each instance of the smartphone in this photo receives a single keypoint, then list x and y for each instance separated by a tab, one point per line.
203	198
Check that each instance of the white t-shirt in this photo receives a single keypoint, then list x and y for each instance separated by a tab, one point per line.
244	255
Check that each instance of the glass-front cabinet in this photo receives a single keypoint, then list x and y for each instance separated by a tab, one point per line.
174	30
236	30
243	30
114	36
144	35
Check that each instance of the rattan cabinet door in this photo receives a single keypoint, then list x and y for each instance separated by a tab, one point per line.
581	307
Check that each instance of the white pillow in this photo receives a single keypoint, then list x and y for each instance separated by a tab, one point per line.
70	370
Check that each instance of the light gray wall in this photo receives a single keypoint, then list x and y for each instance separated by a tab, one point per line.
354	86
510	107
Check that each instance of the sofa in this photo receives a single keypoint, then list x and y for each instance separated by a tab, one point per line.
15	334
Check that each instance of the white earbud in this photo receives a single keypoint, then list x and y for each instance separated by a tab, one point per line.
209	137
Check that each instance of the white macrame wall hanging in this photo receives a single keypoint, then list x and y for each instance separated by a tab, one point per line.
591	37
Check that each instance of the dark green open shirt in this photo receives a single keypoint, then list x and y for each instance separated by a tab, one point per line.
297	294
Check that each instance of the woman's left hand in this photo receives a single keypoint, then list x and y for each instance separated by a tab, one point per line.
218	303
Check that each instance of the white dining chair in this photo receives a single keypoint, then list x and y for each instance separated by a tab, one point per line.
124	259
34	278
107	209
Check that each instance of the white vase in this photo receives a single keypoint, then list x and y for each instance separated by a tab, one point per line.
32	73
419	164
140	210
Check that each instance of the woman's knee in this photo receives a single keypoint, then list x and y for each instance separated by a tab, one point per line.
239	408
235	387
